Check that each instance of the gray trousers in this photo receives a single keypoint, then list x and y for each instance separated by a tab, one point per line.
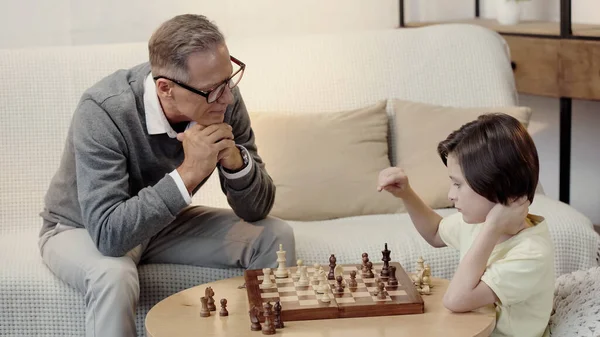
200	236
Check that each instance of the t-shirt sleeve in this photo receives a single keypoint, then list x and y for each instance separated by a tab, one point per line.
450	230
517	276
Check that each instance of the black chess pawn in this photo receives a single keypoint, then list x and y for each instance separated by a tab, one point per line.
385	273
269	325
365	259
332	260
223	311
340	287
254	312
369	270
204	312
352	284
278	320
392	281
381	291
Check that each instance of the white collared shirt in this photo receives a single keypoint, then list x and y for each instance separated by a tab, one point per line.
157	123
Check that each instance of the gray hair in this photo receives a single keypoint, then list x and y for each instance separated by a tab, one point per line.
176	39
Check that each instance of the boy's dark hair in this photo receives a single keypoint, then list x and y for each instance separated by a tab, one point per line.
497	156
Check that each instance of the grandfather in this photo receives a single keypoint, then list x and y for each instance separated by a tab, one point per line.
141	142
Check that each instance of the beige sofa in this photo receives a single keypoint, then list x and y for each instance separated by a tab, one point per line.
317	76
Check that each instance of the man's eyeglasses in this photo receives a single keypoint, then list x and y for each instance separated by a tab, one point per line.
216	93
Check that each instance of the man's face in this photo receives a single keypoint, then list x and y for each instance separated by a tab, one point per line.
207	70
474	207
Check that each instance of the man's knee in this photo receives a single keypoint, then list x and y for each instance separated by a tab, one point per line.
114	280
276	232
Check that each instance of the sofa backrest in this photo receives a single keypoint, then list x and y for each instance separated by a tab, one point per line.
458	65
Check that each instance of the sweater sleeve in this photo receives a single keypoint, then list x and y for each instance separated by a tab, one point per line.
251	196
116	220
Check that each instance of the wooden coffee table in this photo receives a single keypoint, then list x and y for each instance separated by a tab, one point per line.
178	315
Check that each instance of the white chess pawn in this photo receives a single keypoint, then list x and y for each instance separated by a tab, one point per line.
303	281
281	271
325	297
267	282
299	264
315	277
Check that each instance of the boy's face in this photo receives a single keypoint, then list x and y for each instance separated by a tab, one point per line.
474	207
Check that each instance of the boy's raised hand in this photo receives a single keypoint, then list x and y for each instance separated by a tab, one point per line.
509	219
393	180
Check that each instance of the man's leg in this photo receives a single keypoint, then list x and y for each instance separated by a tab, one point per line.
217	238
110	285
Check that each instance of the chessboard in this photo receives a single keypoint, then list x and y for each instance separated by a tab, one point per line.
303	302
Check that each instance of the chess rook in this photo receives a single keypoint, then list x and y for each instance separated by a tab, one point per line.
204	312
392	281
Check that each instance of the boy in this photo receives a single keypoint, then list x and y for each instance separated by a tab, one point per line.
507	256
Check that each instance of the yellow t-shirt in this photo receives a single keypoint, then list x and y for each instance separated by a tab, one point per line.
520	271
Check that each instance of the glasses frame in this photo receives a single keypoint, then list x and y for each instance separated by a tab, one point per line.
206	94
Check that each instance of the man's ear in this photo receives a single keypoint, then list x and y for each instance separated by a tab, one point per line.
163	87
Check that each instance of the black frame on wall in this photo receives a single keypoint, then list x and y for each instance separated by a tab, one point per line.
566	113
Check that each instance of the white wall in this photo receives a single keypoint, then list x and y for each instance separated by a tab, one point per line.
27	23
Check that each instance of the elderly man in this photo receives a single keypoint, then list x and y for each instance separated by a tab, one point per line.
141	143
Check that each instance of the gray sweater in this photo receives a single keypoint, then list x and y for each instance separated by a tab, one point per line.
113	177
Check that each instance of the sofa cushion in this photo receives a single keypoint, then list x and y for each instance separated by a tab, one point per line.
419	128
325	165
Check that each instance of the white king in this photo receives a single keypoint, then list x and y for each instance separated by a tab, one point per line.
281	271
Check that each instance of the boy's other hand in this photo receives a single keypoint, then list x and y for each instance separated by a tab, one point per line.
509	219
393	180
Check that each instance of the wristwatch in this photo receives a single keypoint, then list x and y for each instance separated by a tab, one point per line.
245	159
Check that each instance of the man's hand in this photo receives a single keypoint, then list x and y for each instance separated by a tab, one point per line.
508	219
393	180
231	158
202	147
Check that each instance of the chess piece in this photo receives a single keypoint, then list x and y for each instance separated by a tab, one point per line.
204	312
315	277
427	275
386	262
267	283
281	271
352	285
299	265
332	260
369	270
420	265
392	281
278	321
209	294
223	311
253	312
381	295
365	259
269	325
323	284
339	271
325	297
303	281
339	288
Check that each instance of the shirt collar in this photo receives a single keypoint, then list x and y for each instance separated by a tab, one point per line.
156	121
